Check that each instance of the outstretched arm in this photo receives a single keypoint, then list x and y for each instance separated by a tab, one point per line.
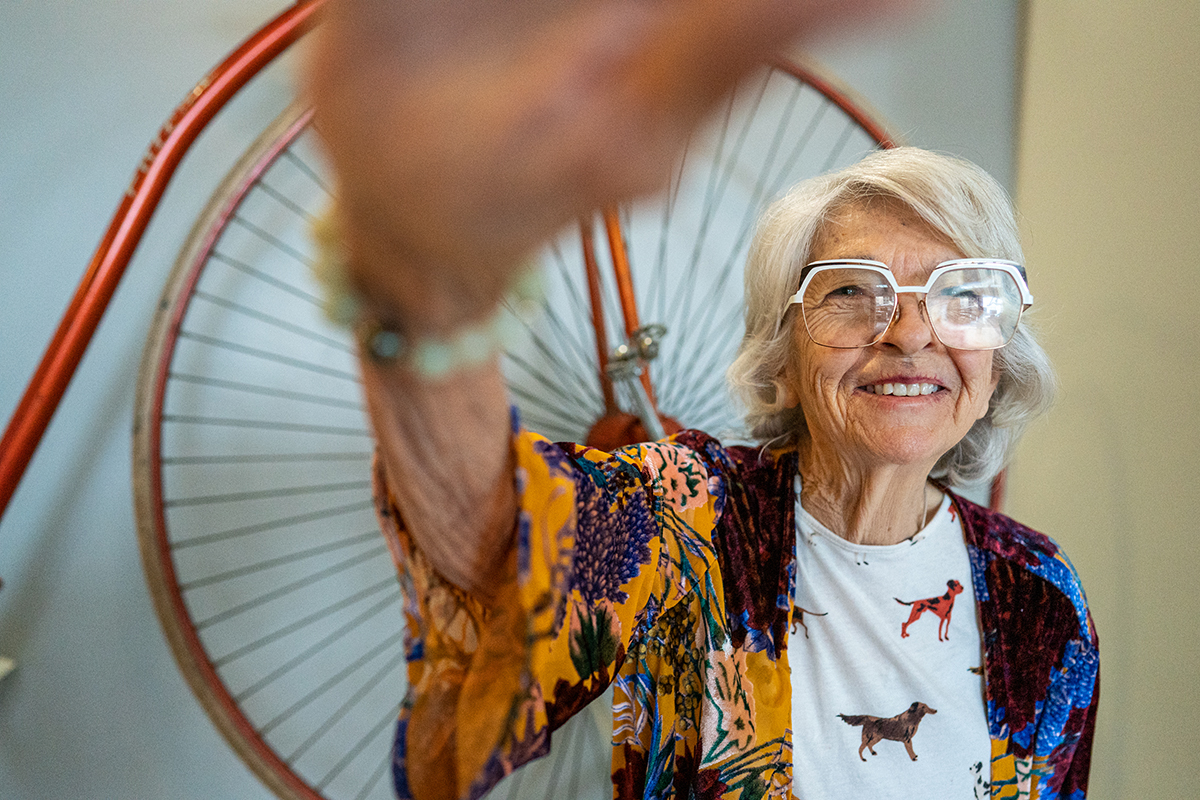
462	134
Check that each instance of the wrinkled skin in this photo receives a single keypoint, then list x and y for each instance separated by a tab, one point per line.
866	456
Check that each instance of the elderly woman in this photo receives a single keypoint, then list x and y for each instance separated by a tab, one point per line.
820	615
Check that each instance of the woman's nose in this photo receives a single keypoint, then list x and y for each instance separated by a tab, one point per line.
910	330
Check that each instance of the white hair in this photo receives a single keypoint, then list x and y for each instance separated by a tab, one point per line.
957	199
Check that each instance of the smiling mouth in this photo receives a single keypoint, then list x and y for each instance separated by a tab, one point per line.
903	389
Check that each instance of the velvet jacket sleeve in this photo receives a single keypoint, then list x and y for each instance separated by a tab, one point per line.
1043	664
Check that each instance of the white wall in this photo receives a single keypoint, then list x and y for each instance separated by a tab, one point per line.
96	707
946	80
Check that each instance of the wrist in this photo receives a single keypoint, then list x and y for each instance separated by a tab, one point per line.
418	325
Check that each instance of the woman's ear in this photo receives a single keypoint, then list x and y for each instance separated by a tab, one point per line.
785	394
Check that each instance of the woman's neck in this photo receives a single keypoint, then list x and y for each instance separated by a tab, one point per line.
873	505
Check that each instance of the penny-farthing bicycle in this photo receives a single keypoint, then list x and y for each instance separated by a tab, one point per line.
252	452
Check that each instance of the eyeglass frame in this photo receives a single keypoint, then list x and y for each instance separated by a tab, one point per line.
1012	268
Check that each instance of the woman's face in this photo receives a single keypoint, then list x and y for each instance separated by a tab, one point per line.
849	420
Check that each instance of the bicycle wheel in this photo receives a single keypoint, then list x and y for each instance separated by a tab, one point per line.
251	450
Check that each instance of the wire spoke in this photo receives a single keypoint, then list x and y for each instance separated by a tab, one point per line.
291	155
272	525
758	196
263	494
555	431
344	673
584	367
729	163
700	327
836	153
273	240
325	642
657	298
288	588
722	343
266	391
270	280
589	390
713	404
316	647
362	742
581	307
374	778
532	401
266	355
708	323
264	458
276	322
773	177
800	145
278	561
284	200
265	425
544	381
720	170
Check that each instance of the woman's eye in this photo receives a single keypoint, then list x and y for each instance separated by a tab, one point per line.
963	305
963	296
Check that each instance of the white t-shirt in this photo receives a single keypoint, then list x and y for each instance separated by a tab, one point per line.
886	656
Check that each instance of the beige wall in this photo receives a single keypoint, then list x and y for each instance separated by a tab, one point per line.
1108	184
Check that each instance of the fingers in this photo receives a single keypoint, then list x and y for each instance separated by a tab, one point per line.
465	133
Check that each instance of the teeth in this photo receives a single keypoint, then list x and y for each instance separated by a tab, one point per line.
904	389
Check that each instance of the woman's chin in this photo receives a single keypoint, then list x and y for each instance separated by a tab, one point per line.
898	445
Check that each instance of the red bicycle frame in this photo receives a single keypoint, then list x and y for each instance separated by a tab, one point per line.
49	382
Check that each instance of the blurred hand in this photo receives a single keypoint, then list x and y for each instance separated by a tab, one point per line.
464	133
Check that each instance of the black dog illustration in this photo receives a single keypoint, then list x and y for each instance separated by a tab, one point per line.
900	728
798	618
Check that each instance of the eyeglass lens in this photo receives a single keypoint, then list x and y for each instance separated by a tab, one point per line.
969	308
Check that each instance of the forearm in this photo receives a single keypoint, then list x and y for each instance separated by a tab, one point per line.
445	446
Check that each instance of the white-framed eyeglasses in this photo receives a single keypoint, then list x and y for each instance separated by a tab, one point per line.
971	303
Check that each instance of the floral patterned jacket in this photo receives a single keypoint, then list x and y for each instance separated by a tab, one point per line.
667	570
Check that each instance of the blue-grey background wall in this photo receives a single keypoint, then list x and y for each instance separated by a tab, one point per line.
96	707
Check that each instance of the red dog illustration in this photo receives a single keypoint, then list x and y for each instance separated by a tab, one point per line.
941	605
900	728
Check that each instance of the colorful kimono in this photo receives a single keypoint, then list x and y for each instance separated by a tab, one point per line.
667	570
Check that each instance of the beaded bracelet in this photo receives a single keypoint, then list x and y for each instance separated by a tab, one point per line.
428	356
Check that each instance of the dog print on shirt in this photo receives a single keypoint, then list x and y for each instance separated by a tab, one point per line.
941	605
900	728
